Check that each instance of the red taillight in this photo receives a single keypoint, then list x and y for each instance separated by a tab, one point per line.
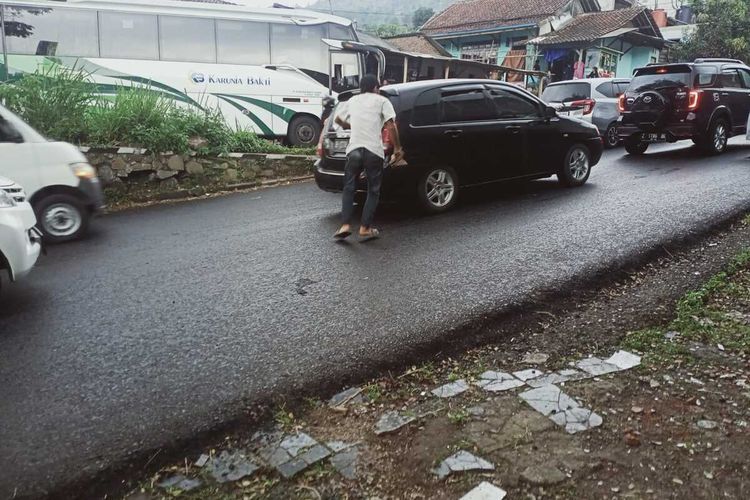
694	99
621	103
387	141
586	104
320	150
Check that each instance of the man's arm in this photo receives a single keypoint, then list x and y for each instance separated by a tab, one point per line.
398	152
343	123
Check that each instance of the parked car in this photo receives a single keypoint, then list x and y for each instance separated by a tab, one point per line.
62	187
20	241
460	133
706	101
593	100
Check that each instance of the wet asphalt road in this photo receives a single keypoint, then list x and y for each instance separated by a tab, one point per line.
168	320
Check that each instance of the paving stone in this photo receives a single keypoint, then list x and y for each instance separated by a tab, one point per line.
577	420
485	491
597	366
549	400
567	375
345	462
277	457
391	422
297	442
353	395
543	475
498	381
229	467
624	360
452	389
526	375
535	358
202	460
463	461
292	468
476	411
315	454
337	446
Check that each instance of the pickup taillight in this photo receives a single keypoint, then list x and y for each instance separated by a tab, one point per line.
621	103
586	104
694	99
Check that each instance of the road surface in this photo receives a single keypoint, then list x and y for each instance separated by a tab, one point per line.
169	320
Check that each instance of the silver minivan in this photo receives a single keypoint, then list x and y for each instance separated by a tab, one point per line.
593	100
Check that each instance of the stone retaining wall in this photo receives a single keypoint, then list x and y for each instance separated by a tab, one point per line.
135	175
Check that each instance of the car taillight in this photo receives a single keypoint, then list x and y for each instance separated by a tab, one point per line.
387	141
694	99
621	103
586	104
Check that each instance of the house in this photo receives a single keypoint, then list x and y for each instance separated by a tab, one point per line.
614	42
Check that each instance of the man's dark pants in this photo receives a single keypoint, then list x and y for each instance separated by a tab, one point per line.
356	161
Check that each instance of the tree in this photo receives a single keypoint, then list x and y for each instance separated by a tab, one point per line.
421	16
385	30
723	31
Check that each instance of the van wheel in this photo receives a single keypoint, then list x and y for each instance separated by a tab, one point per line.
304	132
715	140
437	189
611	139
577	167
61	218
635	146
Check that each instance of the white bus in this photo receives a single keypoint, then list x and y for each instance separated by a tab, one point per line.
267	70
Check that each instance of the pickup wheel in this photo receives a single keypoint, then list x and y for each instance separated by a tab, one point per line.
576	168
635	145
437	189
715	140
61	218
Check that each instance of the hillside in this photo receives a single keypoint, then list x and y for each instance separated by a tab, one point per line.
376	12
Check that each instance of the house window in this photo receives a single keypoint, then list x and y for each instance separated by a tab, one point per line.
481	52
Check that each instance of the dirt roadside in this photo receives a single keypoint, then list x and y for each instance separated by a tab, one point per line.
675	426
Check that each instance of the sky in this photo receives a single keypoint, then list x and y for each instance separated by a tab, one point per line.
268	3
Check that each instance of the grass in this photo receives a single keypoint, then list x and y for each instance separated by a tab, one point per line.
458	416
704	316
284	418
64	104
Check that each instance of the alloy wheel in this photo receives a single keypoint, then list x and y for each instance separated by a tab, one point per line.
720	137
440	188
61	220
578	164
612	138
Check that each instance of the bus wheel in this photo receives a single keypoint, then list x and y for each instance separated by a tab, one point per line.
304	132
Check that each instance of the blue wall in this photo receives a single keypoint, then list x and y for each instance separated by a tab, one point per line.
637	57
453	44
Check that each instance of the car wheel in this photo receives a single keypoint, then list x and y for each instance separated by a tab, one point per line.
715	140
61	218
437	189
611	139
635	146
304	132
576	167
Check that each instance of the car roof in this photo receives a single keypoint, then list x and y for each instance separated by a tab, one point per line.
592	81
402	88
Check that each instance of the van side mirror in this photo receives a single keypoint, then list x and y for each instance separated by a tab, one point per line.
550	112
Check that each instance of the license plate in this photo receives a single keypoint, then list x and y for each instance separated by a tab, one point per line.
652	137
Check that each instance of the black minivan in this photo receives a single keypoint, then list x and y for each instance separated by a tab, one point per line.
461	133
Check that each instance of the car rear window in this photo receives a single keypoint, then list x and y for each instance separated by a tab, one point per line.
656	78
565	92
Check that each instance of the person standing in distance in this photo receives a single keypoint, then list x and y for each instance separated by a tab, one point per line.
366	115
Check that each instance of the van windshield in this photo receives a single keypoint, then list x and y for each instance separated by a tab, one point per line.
28	133
660	79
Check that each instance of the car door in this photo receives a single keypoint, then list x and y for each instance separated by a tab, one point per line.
528	138
745	109
734	95
17	158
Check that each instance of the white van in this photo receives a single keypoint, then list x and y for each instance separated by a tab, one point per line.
60	184
20	241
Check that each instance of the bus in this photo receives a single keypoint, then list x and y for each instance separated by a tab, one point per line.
267	70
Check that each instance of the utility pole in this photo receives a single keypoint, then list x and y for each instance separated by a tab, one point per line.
330	6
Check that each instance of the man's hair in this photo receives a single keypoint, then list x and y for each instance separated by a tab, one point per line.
368	84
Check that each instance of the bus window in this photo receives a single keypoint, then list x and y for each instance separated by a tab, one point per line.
338	32
300	46
128	36
51	32
241	42
344	71
187	39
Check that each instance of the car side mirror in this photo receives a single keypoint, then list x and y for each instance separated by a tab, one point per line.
550	112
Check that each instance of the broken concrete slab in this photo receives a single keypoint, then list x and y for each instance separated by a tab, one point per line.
463	461
230	467
596	366
543	475
202	460
563	410
526	375
295	443
577	420
535	358
349	396
345	462
180	482
624	360
498	381
391	422
707	424
485	491
452	389
292	468
292	453
337	446
560	377
315	454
